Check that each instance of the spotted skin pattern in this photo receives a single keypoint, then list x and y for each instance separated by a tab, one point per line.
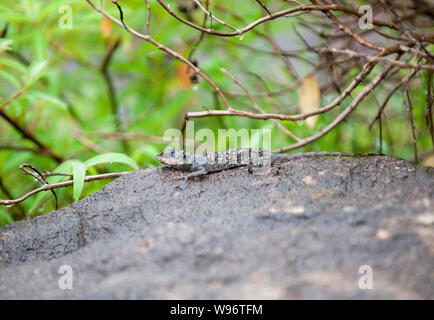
201	164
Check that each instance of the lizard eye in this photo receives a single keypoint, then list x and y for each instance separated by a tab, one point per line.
169	151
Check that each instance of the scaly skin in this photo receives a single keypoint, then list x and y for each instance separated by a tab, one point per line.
201	164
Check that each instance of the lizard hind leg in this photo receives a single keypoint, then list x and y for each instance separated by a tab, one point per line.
200	172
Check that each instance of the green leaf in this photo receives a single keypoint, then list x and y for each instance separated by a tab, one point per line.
78	173
110	158
5	45
64	167
49	98
13	64
40	44
147	151
10	78
36	69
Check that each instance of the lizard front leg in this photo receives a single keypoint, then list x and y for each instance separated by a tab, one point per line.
197	173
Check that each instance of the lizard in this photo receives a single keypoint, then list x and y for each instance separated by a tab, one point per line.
199	164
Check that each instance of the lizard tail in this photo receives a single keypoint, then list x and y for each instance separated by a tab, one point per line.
324	154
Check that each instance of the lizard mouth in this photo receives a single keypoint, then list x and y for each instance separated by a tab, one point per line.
160	158
167	157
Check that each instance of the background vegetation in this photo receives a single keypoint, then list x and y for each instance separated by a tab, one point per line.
95	88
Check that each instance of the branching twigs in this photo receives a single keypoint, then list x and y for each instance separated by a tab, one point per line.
32	171
348	31
409	111
47	187
26	133
366	90
380	124
104	70
171	52
30	136
407	78
265	116
400	64
285	59
15	96
399	33
148	17
110	85
213	17
273	16
258	108
306	141
406	42
202	34
87	143
264	7
121	13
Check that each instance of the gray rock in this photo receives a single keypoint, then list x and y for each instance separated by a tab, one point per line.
302	231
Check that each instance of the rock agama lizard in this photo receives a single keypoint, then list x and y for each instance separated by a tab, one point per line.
200	164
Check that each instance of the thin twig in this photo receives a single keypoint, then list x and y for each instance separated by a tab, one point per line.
258	108
429	106
171	52
15	96
201	36
407	78
213	17
353	105
30	136
409	111
148	17
52	186
400	64
273	16
38	176
264	7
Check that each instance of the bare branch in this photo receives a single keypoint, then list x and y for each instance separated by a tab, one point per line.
38	176
171	52
258	108
400	64
47	187
213	17
30	136
273	16
264	7
368	88
148	17
390	94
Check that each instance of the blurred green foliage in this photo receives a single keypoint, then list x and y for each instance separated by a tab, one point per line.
65	98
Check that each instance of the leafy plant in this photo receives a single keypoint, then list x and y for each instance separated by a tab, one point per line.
103	97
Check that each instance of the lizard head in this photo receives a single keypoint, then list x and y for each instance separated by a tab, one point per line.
171	157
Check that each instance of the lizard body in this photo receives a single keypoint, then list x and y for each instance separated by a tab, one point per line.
200	164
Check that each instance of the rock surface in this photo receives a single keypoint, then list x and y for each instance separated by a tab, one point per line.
302	231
